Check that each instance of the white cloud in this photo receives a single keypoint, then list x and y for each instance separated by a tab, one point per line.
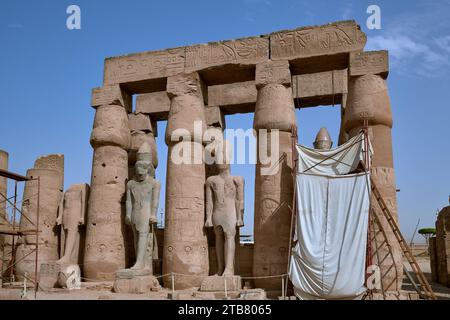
413	44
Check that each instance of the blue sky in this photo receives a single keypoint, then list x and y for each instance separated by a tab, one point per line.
47	73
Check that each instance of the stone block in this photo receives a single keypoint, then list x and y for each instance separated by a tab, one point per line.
320	84
139	122
111	94
232	94
156	104
48	275
370	62
132	282
272	72
144	65
217	283
253	294
305	42
246	51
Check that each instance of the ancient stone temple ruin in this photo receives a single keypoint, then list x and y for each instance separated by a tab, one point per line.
269	75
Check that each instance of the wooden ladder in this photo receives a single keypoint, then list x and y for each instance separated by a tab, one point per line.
403	244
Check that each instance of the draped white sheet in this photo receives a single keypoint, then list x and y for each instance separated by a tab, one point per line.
328	261
338	161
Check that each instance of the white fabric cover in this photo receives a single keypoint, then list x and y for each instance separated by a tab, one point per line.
328	261
339	161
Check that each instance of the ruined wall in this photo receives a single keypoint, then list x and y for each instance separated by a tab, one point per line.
443	247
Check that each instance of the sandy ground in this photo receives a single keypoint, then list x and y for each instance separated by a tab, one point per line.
421	254
102	290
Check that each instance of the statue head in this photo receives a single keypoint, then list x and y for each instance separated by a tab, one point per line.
144	166
323	140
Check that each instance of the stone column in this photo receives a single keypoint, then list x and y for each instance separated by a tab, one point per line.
369	99
105	250
50	170
185	242
3	203
275	113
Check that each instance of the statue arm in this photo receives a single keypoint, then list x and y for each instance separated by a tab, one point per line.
239	183
60	211
155	202
209	204
128	205
83	207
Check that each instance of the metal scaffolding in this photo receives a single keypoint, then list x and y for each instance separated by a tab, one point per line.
12	228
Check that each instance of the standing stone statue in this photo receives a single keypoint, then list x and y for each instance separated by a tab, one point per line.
142	205
224	212
72	215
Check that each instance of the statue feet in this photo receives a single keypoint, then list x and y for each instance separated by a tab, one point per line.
138	266
227	273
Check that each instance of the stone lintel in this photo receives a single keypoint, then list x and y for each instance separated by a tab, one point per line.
144	65
245	51
323	88
111	94
370	62
157	104
333	38
214	60
320	88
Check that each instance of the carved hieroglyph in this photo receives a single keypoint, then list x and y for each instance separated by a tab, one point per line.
185	243
241	51
111	139
145	65
371	62
369	99
306	42
50	171
274	191
334	38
